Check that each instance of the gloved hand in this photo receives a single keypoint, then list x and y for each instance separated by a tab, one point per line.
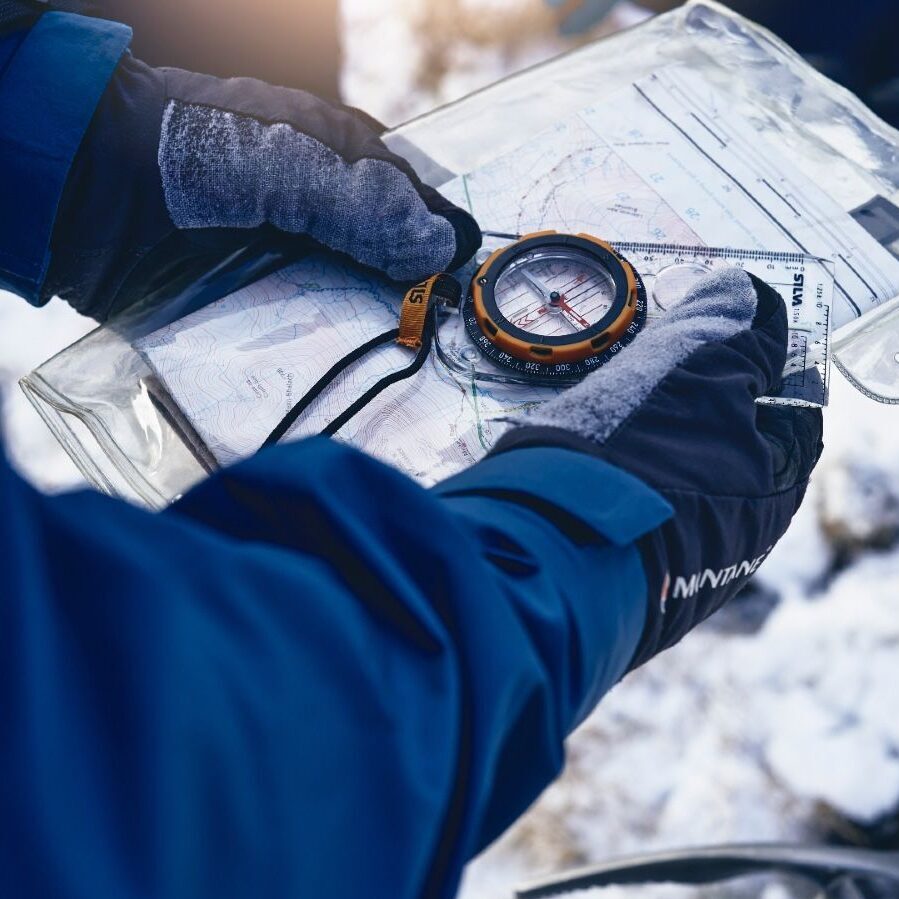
677	409
178	167
583	16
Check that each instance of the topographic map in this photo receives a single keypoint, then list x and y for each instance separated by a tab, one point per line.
237	366
662	162
570	179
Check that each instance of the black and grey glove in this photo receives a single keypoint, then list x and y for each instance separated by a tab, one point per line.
678	410
176	167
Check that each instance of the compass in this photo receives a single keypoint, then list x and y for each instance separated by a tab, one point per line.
554	306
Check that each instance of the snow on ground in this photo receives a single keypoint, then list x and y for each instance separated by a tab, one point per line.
435	52
751	729
28	336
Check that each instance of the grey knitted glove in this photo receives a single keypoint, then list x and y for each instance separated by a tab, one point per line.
677	409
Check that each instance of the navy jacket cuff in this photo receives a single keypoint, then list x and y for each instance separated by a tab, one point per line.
582	494
49	91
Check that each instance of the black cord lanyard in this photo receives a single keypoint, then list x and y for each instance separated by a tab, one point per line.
418	324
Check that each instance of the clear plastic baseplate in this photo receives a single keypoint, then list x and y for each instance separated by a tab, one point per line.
668	271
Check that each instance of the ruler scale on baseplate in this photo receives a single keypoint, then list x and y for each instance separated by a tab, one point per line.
804	282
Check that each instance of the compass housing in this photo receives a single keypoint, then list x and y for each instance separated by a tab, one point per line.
554	356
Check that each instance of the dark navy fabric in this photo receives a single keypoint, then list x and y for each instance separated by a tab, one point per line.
49	90
309	677
9	43
17	14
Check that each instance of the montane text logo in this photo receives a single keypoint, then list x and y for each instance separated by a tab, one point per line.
714	578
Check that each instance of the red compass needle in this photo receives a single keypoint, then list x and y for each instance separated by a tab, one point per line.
564	305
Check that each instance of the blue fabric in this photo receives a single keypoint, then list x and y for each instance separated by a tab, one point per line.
544	479
49	90
310	677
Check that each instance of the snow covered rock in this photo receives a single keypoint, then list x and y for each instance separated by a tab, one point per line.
823	682
858	478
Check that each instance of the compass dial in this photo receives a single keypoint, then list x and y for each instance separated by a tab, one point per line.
554	293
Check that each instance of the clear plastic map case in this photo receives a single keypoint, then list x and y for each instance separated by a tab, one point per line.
130	436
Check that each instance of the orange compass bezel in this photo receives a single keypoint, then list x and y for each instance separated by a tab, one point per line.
532	349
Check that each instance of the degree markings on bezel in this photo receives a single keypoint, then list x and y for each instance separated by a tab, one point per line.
561	372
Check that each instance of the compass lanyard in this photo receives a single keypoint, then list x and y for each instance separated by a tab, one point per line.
417	325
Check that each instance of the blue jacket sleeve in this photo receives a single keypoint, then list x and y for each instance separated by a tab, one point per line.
309	677
51	78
